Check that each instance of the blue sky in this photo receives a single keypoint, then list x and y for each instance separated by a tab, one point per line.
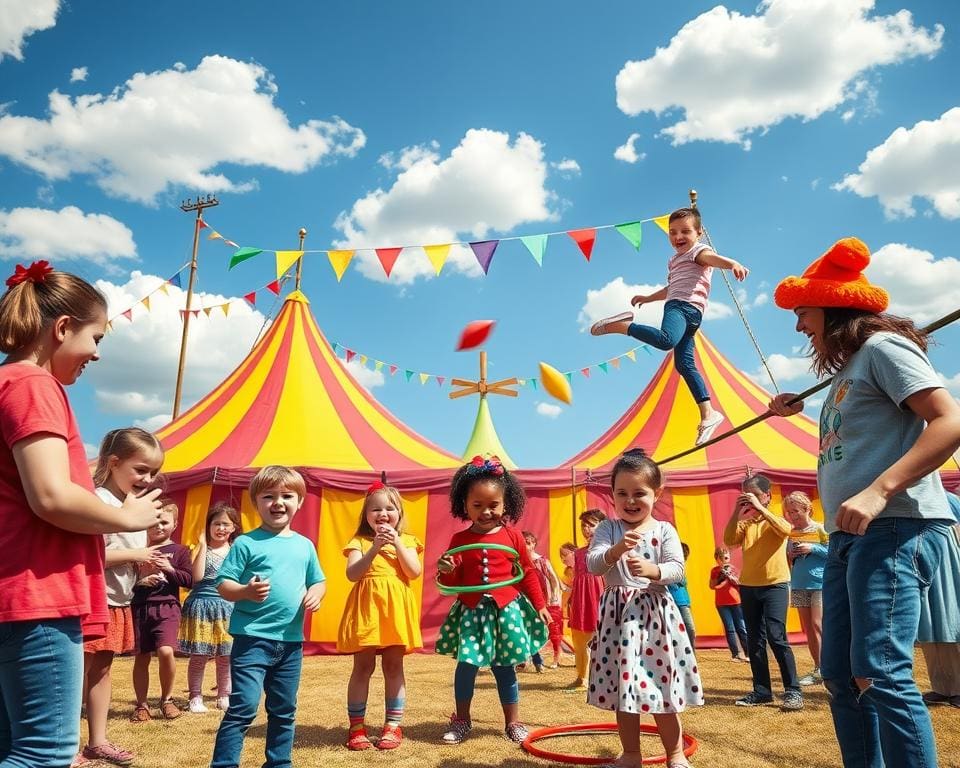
386	124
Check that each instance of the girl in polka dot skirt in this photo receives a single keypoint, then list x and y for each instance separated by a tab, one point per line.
642	659
504	625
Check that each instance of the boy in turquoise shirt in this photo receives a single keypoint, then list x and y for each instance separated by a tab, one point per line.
273	576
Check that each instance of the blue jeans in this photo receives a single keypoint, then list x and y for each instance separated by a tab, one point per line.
765	614
41	682
680	324
872	586
734	628
272	667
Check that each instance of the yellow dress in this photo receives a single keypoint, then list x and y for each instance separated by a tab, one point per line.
381	608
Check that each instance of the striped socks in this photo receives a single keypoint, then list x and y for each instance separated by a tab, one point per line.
356	712
394	710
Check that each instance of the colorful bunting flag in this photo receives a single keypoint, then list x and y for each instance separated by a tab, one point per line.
207	311
230	243
203	224
363	359
242	255
146	302
163	288
584	238
585	371
663	222
340	260
388	257
175	280
409	375
440	380
251	297
214	235
350	355
273	287
602	367
537	245
615	362
285	260
423	378
225	308
483	250
393	369
377	365
632	354
633	231
128	313
569	375
437	255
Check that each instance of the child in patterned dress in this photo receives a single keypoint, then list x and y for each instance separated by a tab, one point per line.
206	616
504	625
643	661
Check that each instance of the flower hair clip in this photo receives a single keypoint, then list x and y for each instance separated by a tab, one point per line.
35	273
486	466
375	486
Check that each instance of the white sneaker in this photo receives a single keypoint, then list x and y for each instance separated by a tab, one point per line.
708	427
196	705
223	703
814	678
601	327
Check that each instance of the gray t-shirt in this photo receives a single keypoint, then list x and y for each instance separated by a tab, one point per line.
865	428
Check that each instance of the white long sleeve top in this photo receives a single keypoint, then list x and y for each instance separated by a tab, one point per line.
660	543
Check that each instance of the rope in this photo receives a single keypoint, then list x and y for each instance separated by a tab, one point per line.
936	325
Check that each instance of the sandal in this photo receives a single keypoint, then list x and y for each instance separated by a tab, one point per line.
391	737
170	710
358	741
141	714
601	327
108	753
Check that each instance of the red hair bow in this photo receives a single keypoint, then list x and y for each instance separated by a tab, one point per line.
35	273
376	485
490	466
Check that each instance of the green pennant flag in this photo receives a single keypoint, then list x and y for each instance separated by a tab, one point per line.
409	374
532	383
569	375
242	254
602	367
537	245
632	231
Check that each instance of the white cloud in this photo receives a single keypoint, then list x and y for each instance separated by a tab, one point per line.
78	74
171	129
549	410
486	184
783	369
367	378
921	286
614	298
952	383
137	373
567	167
40	233
913	162
409	156
734	75
19	20
628	150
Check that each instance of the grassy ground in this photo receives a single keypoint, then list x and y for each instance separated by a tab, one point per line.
729	736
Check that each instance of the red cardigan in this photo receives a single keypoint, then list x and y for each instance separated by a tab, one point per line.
469	568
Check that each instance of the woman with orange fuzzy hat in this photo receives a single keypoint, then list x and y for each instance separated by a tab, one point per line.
886	425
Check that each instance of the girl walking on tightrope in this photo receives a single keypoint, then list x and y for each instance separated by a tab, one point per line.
499	628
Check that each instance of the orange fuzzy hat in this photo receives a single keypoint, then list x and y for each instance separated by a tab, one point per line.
836	279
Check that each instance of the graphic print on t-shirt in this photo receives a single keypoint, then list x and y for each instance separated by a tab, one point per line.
831	419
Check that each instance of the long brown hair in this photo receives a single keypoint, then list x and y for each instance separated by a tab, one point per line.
224	508
846	330
123	443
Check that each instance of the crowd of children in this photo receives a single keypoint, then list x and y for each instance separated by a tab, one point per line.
91	571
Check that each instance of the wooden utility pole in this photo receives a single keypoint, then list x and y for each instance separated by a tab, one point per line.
481	386
303	236
188	205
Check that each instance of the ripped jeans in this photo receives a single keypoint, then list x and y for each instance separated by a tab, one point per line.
872	586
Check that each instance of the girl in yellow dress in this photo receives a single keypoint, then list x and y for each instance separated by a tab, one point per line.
381	615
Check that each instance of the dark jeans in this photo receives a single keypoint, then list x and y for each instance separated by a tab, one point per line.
41	677
733	628
765	614
680	324
273	668
872	586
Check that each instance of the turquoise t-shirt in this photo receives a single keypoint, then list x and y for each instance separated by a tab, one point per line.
291	566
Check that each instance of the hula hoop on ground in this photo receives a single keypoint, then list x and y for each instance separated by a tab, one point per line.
690	744
445	589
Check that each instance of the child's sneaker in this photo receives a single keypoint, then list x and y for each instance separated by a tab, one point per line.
223	703
458	731
814	678
196	705
613	324
708	426
516	732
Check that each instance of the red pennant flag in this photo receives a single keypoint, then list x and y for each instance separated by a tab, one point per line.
274	287
350	354
440	380
195	312
388	257
393	369
585	372
128	313
584	238
182	313
252	298
203	224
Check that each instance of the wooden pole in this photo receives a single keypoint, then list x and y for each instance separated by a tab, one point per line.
303	236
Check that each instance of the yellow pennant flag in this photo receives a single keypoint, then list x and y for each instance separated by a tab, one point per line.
163	287
663	222
214	235
377	365
146	302
340	260
225	308
424	377
632	354
363	359
437	255
285	260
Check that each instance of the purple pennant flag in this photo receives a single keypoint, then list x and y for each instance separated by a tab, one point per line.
483	250
175	280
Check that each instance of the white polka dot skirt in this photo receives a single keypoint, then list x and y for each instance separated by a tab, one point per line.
642	661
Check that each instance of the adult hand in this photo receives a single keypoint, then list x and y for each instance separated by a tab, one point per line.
639	301
257	589
779	405
141	512
857	512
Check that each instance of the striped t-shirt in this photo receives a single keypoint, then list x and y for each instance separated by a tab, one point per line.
687	280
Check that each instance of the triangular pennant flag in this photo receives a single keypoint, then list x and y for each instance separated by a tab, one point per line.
225	308
214	235
585	372
336	347
363	359
584	238
602	367
230	243
350	355
633	231
393	369
195	312
663	222
408	374
285	260
251	297
203	224
437	255
377	365
646	349
128	313
423	378
339	260
207	311
109	325
274	287
163	287
175	280
440	380
183	314
537	245
483	250
569	375
242	255
632	354
388	257
532	383
615	362
146	302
